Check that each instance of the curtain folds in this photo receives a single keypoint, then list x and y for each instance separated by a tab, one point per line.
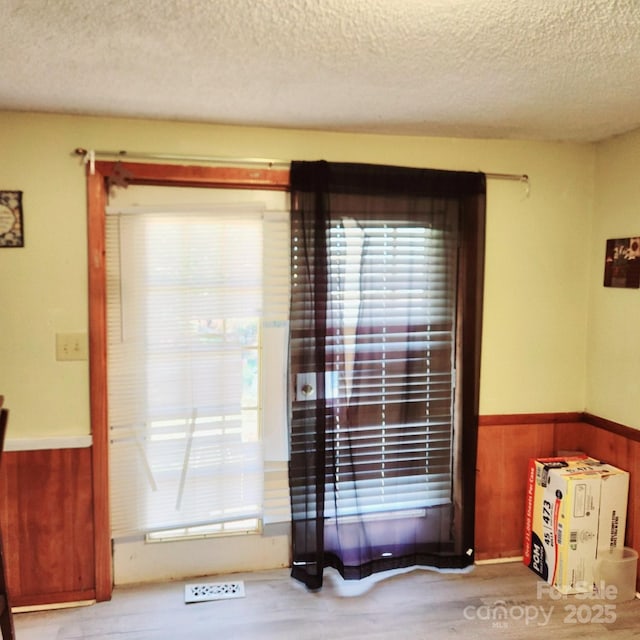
385	323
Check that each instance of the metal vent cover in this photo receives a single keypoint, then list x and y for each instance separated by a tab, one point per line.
203	591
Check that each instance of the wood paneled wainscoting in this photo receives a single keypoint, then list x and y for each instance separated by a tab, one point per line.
46	514
505	445
47	506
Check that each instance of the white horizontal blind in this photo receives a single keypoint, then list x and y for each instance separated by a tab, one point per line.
186	312
391	338
275	341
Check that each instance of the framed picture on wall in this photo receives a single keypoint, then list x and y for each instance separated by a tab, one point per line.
622	263
11	227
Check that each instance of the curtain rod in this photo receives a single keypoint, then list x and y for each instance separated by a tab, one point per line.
90	156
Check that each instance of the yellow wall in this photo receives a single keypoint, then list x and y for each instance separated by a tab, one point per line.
613	347
537	268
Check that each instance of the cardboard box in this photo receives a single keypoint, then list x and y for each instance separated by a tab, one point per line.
574	506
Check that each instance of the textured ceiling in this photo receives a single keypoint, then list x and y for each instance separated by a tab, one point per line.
541	69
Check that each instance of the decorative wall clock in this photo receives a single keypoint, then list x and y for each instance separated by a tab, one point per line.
11	229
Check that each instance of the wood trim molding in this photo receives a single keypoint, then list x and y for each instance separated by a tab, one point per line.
529	418
614	427
96	205
553	418
195	176
43	602
97	196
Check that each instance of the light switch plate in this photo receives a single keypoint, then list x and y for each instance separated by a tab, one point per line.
72	346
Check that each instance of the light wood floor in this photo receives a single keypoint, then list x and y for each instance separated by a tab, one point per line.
416	604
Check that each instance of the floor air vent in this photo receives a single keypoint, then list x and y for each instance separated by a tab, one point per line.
213	591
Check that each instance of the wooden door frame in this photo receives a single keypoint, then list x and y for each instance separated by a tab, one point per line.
99	179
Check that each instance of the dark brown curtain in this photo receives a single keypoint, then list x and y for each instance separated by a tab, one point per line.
387	272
